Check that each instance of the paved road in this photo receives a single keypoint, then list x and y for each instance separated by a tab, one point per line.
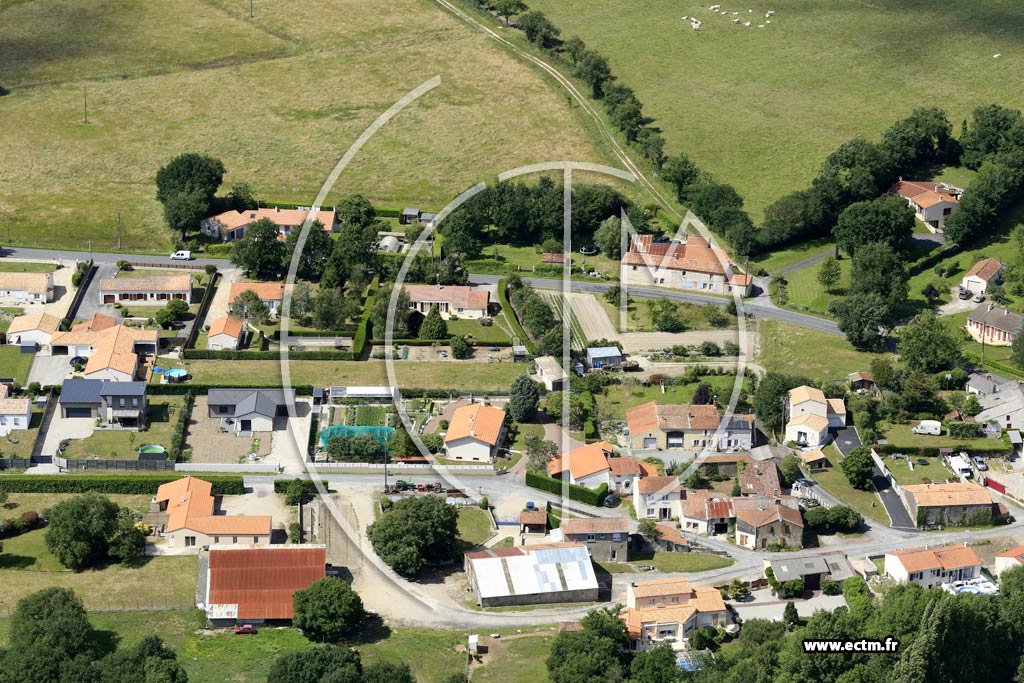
809	261
760	306
846	440
105	257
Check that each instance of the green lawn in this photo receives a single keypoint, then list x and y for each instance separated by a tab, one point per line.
124	445
834	481
787	256
495	377
512	259
131	54
18	444
27	566
638	315
806	292
681	562
14	363
620	398
774	102
796	350
474	526
933	471
432	655
901	436
522	429
18	503
519	658
15	267
483	335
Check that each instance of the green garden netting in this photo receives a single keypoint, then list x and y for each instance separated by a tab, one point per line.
382	434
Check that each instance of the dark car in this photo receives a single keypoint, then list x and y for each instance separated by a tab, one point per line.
245	628
611	500
965	293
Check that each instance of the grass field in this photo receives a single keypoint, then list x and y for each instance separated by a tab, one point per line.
483	335
806	292
933	471
791	255
278	99
474	526
15	363
899	435
517	658
795	350
15	267
432	655
496	377
27	566
638	316
681	562
22	502
124	445
762	108
620	398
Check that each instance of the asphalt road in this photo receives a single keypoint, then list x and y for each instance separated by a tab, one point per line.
760	306
846	440
103	257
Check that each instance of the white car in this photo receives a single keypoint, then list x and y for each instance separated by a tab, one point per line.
181	256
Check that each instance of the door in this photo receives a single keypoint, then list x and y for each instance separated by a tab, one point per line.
77	412
246	425
650	442
615	554
108	298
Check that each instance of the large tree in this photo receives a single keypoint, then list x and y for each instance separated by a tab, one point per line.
928	343
259	251
538	29
379	313
858	466
829	273
506	8
862	317
770	394
523	399
608	237
326	609
184	211
52	625
595	72
415	532
356	209
888	220
79	530
249	307
188	173
315	665
433	325
877	269
594	654
127	541
315	252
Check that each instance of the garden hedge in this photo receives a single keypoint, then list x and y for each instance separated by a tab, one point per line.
510	314
584	495
103	483
365	325
346	331
308	486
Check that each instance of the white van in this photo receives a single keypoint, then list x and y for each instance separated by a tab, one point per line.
932	427
181	256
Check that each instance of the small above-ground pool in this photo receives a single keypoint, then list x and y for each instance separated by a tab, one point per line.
174	375
152	448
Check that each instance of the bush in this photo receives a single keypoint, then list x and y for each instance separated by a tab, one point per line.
584	495
830	587
295	532
484	505
300	488
30	519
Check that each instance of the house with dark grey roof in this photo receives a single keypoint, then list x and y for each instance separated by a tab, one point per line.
116	403
244	411
995	325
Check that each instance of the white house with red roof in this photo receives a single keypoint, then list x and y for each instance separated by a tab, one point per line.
982	274
694	264
231	225
451	300
932	202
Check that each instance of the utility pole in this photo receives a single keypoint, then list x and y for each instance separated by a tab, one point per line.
119	231
250	9
85	104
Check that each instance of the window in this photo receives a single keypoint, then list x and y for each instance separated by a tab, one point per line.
190	541
616	537
234	539
135	403
216	539
591	538
650	512
120	403
255	539
223	409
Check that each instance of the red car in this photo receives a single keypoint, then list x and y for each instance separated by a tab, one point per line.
245	628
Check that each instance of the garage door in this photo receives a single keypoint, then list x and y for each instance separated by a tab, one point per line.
675	442
77	412
650	442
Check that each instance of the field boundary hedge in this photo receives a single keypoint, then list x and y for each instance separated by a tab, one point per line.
513	317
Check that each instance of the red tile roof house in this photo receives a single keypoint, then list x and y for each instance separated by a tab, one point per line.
146	291
225	333
693	264
933	203
270	293
231	225
451	300
475	434
192	524
981	275
255	585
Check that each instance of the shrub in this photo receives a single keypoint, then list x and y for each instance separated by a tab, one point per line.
29	519
223	485
294	486
579	493
295	532
484	503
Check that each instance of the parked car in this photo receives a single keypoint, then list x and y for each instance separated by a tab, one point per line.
965	293
611	500
183	255
245	628
979	297
979	462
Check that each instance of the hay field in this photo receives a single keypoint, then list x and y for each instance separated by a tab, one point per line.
278	99
762	108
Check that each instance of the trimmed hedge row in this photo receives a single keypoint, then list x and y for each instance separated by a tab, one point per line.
132	484
228	354
510	314
998	446
178	438
203	389
584	495
346	331
365	326
442	342
995	365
